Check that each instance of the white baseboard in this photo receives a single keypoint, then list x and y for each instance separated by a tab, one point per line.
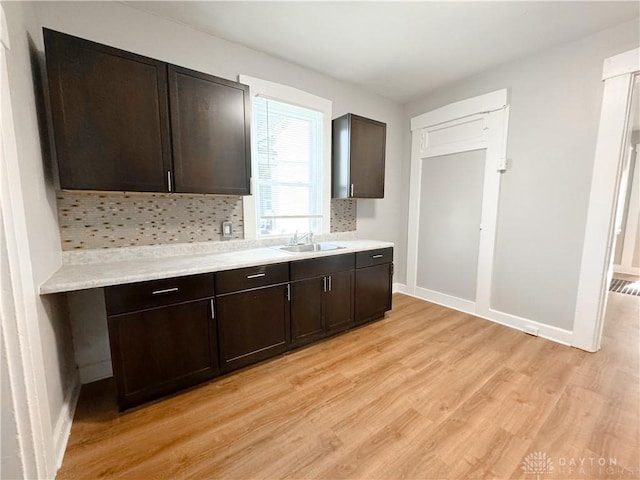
95	371
555	334
549	332
65	419
445	300
399	288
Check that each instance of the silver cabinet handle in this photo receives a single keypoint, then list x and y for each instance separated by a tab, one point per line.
351	191
288	292
256	275
377	256
329	282
169	180
166	290
324	284
213	311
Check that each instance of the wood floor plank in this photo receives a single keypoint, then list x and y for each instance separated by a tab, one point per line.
425	393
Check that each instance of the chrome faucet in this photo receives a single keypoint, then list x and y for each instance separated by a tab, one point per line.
302	239
306	238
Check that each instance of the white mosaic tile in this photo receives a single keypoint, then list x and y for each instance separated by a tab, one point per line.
99	220
343	215
114	219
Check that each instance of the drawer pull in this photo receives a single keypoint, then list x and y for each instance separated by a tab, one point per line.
377	256
256	275
165	290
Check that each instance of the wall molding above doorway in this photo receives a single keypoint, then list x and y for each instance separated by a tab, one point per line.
473	124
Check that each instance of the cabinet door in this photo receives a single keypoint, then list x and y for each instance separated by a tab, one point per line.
368	142
338	301
253	325
306	310
110	116
210	133
373	292
160	350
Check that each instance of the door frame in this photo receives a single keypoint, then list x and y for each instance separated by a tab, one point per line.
631	222
476	123
619	73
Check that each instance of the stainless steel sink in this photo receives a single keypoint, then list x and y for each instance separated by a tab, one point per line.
310	247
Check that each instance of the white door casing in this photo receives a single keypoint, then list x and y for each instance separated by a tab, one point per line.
630	239
618	75
477	123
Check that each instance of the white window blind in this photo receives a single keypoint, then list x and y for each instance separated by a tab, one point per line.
287	154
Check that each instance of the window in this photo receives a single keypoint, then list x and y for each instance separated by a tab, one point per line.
287	159
291	161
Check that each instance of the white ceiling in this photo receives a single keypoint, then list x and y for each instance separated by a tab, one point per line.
397	49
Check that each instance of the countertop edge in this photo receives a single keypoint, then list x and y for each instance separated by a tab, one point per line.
59	285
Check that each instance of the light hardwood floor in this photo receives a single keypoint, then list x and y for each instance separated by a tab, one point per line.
425	393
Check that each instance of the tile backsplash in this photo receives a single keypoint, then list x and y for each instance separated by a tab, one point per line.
343	215
115	219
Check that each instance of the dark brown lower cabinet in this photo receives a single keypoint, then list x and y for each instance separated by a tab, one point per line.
253	325
163	336
172	333
321	297
374	273
163	349
307	323
338	301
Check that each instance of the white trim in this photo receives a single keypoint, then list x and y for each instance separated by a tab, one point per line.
285	93
249	214
490	109
554	334
497	124
599	233
4	31
622	64
21	331
445	300
471	106
633	211
399	288
96	371
626	270
63	425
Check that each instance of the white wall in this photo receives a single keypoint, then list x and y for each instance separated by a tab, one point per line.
11	458
555	99
35	212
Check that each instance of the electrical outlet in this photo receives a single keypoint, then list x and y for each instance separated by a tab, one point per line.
227	230
531	330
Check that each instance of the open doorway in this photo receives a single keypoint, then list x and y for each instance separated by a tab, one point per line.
626	255
607	200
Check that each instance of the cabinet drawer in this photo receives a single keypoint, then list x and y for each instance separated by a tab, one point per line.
318	267
251	277
155	293
374	257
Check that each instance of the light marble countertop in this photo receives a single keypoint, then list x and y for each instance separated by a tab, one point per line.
115	271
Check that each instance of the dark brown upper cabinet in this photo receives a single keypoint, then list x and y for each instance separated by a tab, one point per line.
210	127
358	157
126	122
110	115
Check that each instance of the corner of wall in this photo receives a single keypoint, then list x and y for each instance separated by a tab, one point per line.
62	427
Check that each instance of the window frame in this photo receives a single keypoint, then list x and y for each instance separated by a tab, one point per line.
293	96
